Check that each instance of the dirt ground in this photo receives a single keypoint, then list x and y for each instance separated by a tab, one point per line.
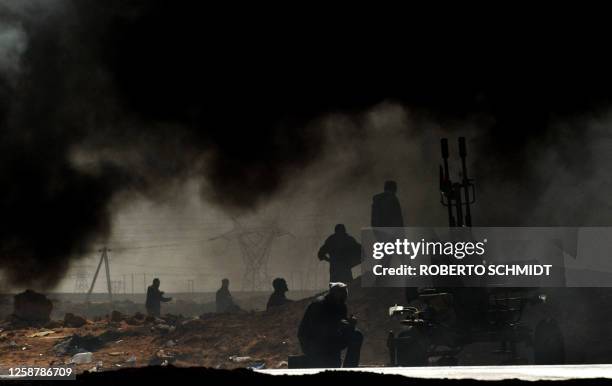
260	339
265	339
214	340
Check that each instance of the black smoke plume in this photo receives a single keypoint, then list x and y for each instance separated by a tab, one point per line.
114	98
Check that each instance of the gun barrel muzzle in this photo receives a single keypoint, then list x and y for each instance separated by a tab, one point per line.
462	149
444	146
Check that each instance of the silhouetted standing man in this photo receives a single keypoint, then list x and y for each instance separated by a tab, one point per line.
278	297
342	252
326	330
387	213
154	299
386	209
224	301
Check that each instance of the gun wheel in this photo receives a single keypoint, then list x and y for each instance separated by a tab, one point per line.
548	343
411	348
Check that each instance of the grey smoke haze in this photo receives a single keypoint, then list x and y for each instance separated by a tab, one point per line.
77	153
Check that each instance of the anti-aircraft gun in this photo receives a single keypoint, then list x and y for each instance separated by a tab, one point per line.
445	320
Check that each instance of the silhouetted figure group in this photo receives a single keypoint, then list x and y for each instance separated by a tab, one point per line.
154	299
326	329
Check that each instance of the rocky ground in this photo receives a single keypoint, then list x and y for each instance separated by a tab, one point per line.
260	339
248	339
213	340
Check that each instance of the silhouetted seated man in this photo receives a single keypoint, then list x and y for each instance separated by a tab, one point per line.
326	330
278	297
224	300
342	252
154	299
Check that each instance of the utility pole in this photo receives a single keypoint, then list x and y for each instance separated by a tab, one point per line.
190	285
103	259
132	283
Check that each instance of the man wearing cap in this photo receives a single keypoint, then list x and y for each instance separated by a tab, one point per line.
326	330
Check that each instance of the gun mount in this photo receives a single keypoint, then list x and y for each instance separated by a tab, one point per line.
445	320
456	195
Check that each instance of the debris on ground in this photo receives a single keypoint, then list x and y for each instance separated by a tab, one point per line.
41	334
77	343
238	359
54	324
82	357
116	316
97	367
163	328
257	366
162	341
162	358
191	324
72	320
282	365
136	319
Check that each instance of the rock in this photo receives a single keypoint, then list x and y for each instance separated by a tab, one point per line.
109	336
33	307
257	366
116	316
139	316
72	320
162	358
76	343
163	328
41	334
238	359
82	357
172	319
136	319
54	324
93	369
191	324
282	364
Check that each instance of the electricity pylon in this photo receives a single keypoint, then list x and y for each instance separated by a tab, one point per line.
81	282
255	244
